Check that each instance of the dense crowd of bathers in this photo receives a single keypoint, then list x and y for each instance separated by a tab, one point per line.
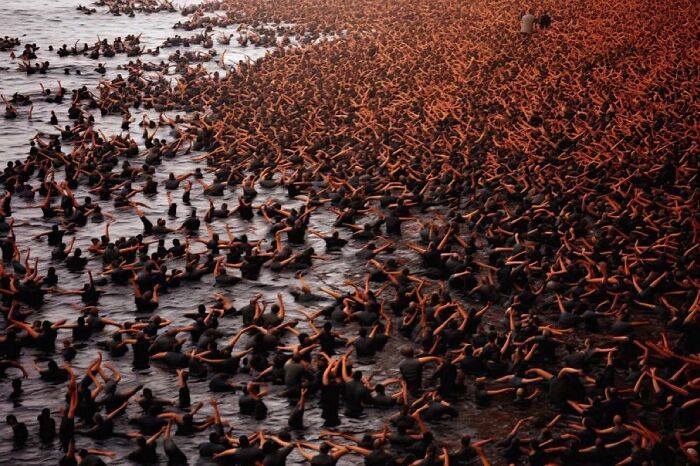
525	208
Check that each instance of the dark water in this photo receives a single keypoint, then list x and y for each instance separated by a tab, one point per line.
47	22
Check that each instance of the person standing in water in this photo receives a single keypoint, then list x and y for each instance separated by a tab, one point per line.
527	23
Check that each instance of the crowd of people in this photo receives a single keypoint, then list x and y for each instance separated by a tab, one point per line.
525	213
131	7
